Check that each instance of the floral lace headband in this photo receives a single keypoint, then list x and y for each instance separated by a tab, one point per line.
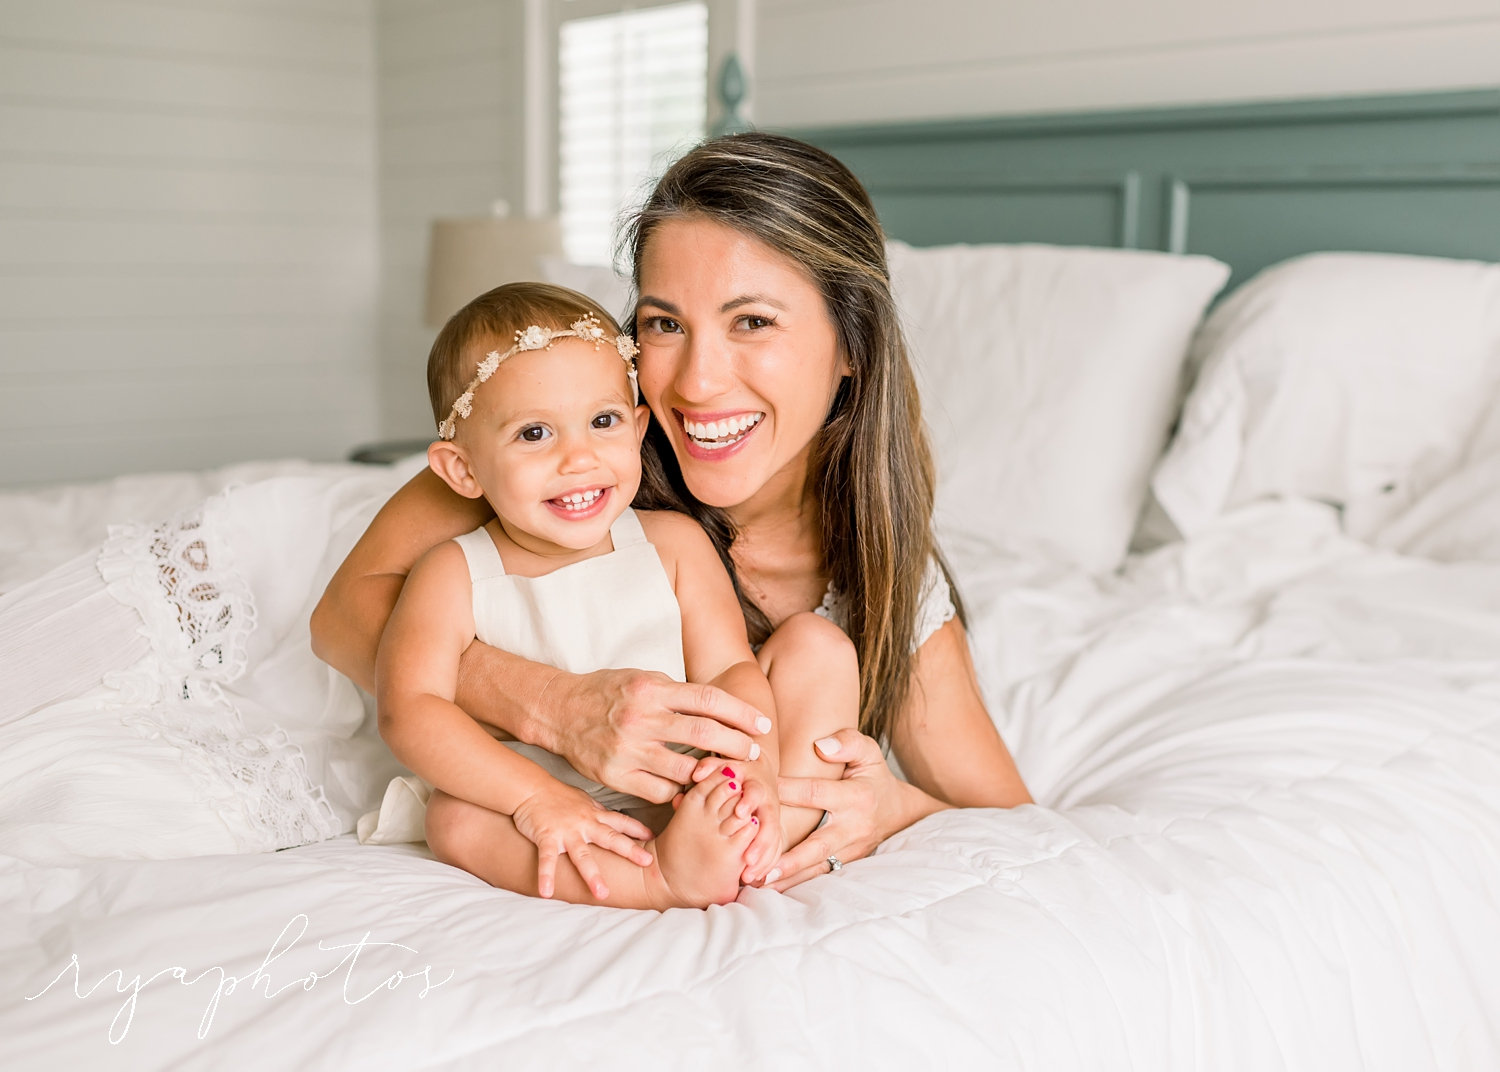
586	328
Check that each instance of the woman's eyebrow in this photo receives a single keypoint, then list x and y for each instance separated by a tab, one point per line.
657	303
731	304
751	299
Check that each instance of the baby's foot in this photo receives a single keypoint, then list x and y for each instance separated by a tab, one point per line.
700	854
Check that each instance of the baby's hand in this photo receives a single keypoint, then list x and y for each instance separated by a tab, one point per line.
757	798
560	819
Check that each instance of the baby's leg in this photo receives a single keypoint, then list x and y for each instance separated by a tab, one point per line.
703	842
814	677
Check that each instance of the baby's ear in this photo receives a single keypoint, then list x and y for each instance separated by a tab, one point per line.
642	422
449	461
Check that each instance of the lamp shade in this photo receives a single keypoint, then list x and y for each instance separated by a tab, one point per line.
467	257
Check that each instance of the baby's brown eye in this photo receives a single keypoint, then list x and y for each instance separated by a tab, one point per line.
532	433
606	420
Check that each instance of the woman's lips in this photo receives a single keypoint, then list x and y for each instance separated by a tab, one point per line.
714	436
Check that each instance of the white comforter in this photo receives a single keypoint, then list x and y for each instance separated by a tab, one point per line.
1268	763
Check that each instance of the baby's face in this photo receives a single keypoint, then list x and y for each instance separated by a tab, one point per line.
555	441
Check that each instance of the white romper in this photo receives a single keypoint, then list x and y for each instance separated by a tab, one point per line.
613	611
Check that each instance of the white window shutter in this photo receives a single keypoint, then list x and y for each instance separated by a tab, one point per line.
632	95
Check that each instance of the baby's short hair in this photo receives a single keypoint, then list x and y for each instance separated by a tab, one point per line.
492	319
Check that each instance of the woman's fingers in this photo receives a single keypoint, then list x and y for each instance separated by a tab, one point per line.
823	794
850	747
649	786
783	884
807	857
706	766
713	720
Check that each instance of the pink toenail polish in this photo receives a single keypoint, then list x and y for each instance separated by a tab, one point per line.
733	786
727	772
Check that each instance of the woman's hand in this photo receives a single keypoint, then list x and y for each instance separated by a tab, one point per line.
561	820
866	806
614	726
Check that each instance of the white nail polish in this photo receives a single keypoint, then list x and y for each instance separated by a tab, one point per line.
773	874
763	724
754	751
829	746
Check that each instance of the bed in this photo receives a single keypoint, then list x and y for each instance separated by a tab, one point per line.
1231	555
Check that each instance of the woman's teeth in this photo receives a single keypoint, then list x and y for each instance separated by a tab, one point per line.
580	500
716	434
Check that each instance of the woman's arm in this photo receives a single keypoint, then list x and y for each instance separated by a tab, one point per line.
611	725
944	741
348	620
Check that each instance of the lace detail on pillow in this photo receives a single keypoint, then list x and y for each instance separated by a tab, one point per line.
933	612
198	614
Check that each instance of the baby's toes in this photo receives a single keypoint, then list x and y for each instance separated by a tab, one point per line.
699	795
725	795
741	832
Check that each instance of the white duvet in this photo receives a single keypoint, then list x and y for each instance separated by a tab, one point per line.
1268	762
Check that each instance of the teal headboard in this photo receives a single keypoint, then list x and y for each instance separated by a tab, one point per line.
1249	184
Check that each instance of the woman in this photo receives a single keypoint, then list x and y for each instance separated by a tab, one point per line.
785	419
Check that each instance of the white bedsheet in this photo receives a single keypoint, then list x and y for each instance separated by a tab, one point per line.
1269	837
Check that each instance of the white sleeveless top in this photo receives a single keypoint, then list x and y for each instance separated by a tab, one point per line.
613	611
935	609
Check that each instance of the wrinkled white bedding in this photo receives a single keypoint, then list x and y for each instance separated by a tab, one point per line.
1268	762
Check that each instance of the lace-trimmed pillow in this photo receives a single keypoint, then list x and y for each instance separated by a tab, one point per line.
212	728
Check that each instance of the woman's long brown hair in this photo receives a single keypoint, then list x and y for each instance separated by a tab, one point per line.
870	462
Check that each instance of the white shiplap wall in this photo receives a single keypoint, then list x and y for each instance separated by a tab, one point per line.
188	242
450	82
850	61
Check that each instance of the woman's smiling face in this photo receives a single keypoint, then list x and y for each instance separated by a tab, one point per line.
740	360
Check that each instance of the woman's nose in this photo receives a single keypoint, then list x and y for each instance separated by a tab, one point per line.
704	372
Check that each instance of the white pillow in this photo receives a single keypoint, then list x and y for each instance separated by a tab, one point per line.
1356	379
1049	379
1459	518
597	281
162	696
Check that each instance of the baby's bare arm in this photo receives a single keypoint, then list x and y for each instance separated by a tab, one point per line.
416	680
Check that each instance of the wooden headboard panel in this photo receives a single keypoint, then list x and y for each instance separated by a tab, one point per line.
1250	185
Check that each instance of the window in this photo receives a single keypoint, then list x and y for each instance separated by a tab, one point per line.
632	95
